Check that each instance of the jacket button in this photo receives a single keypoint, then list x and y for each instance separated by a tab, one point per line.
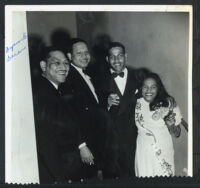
86	108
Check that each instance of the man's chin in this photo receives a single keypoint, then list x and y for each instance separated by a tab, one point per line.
61	80
118	70
85	66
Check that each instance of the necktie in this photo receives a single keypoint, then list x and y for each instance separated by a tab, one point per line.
114	74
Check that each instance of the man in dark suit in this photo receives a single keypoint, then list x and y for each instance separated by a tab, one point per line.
118	87
92	119
57	133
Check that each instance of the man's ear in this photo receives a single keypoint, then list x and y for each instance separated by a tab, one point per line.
69	55
43	65
107	58
126	55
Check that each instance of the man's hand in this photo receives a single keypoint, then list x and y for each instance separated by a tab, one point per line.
86	155
113	99
175	130
170	122
170	119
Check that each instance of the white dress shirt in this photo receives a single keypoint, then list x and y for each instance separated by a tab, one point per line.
87	80
121	82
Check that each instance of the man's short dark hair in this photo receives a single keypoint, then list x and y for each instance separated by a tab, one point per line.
48	49
115	44
74	41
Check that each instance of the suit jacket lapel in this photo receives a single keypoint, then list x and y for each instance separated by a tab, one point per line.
49	86
81	82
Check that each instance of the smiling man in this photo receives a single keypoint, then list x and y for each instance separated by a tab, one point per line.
55	68
91	117
57	132
119	85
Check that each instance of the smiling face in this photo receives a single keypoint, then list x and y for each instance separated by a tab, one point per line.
80	55
56	68
117	59
149	89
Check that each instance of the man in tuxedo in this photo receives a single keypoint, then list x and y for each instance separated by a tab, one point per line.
92	118
57	133
118	87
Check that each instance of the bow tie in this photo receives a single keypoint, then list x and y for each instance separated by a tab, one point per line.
121	74
85	71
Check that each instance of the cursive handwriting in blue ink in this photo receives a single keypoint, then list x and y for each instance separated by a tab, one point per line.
15	54
12	52
8	48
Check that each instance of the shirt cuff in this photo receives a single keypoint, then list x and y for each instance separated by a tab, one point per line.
82	145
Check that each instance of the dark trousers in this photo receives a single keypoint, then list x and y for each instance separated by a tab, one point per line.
75	169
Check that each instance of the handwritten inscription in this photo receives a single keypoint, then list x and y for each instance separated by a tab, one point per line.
9	57
13	50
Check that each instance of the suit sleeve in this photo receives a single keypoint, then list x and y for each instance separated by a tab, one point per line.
47	141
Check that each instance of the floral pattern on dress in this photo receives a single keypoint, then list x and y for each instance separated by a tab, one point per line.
138	116
166	167
159	113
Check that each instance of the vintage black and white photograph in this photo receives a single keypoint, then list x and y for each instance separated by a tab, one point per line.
98	92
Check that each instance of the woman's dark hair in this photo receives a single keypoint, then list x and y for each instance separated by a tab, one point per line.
162	98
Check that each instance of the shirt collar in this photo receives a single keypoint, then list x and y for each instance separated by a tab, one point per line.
77	68
54	84
80	70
